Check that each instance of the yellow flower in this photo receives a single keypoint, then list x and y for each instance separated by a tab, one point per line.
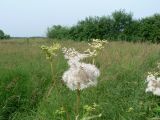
51	51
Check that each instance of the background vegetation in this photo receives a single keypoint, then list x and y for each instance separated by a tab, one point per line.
116	27
25	77
3	35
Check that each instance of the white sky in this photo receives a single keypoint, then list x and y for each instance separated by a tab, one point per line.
32	17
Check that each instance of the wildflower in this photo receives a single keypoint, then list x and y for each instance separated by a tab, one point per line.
97	44
83	74
150	77
50	51
153	80
91	53
79	75
72	54
153	84
95	47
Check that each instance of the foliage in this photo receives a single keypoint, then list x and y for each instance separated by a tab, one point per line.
150	28
118	26
58	31
3	35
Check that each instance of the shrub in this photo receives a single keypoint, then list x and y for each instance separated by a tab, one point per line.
3	36
119	26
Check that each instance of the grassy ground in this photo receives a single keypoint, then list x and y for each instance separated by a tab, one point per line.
25	78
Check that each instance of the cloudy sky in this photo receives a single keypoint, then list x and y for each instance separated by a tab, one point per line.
24	18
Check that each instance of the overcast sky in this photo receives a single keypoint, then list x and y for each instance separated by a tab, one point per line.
32	17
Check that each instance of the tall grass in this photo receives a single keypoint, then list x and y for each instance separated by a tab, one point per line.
25	78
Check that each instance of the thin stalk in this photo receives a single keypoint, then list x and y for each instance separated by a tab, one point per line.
67	114
53	81
93	62
97	101
51	68
61	102
78	99
59	94
58	91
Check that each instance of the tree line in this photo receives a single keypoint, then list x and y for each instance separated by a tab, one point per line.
120	25
3	35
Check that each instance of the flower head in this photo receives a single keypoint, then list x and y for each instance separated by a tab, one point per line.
95	47
153	81
97	44
91	53
84	75
80	75
72	55
150	77
50	51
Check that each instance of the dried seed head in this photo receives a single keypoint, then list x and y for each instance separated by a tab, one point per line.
79	75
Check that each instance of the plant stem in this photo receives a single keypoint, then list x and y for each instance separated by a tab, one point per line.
78	99
58	91
53	81
67	114
51	63
93	61
97	101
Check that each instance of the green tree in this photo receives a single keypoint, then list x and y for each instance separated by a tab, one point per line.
2	34
58	32
121	21
104	30
150	28
119	26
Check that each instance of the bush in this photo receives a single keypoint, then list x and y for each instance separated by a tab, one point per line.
58	32
150	28
3	36
119	26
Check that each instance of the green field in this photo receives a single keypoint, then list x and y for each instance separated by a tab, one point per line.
25	78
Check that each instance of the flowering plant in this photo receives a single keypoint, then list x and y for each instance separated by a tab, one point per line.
50	51
80	75
96	46
153	80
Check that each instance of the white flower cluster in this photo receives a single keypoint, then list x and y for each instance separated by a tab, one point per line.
96	46
79	75
153	84
97	43
73	55
153	81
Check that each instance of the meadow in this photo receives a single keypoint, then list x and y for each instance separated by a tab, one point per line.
25	78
